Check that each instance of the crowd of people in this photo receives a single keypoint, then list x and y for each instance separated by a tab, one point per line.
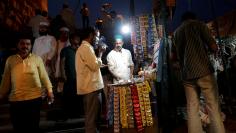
62	59
56	58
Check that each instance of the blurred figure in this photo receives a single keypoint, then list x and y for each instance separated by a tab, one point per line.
227	88
56	24
34	22
232	77
45	46
45	14
23	78
89	79
99	43
68	16
120	62
62	42
193	41
85	15
72	102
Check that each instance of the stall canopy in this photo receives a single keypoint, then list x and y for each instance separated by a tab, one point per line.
205	10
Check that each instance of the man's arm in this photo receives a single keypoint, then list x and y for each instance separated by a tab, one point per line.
43	75
213	46
53	50
90	59
45	80
131	65
209	40
131	71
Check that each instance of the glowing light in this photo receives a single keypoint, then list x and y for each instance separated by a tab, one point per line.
125	29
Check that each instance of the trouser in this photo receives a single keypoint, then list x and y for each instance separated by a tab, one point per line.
208	87
72	103
91	109
25	115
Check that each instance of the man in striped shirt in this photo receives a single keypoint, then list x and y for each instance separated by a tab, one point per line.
193	41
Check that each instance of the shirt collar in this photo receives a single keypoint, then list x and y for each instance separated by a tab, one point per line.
86	43
119	51
26	57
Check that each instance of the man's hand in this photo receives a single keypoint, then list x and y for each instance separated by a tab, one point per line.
60	86
50	97
214	47
118	78
101	50
103	66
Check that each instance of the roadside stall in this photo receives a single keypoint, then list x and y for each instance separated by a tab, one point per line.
129	106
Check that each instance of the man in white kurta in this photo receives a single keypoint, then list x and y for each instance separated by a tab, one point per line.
62	42
34	22
120	62
45	46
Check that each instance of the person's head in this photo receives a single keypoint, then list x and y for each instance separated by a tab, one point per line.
118	42
188	16
98	24
43	28
84	5
75	40
89	34
45	13
38	12
59	17
64	33
24	45
113	14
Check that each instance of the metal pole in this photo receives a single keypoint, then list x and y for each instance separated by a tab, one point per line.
132	8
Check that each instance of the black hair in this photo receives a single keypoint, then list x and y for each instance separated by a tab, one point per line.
86	32
188	15
38	12
73	35
84	4
24	35
44	13
113	14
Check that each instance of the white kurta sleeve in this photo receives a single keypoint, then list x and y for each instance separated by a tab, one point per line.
53	49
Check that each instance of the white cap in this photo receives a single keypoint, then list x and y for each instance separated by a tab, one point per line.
44	23
64	29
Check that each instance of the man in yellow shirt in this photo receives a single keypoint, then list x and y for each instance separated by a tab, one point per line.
23	78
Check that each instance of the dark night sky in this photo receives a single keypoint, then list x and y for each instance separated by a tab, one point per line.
120	6
205	10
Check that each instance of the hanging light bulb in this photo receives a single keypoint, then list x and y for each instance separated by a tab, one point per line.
125	29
